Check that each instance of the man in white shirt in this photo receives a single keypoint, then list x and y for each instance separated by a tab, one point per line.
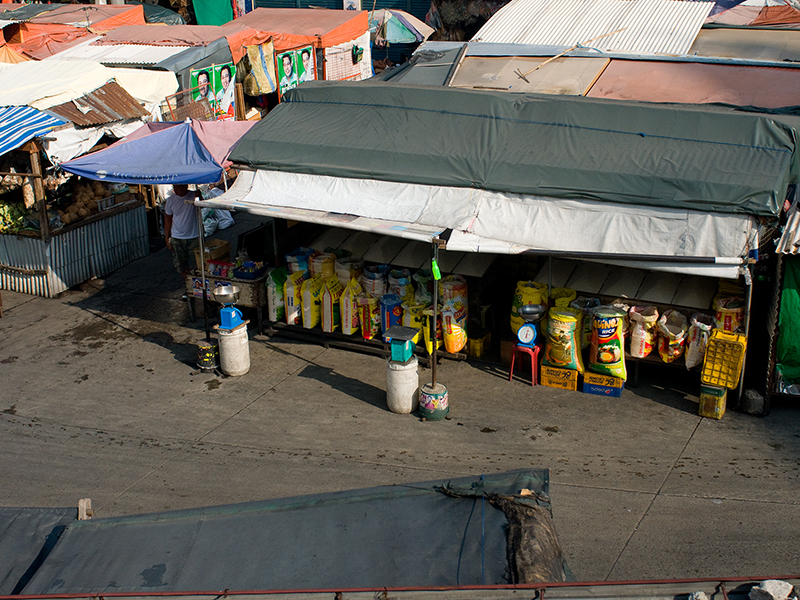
180	227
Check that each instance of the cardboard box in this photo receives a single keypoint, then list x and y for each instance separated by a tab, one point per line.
602	385
215	250
555	377
713	401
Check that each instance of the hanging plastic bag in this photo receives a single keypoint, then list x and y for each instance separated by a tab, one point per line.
276	305
697	339
607	350
563	346
292	295
331	311
210	222
348	305
672	328
422	294
311	301
643	324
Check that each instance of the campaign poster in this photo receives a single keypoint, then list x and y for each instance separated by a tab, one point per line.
203	86
304	59
352	4
287	71
224	87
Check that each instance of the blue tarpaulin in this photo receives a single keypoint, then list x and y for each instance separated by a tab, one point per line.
18	124
170	156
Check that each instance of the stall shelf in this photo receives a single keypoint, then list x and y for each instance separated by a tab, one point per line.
252	293
686	293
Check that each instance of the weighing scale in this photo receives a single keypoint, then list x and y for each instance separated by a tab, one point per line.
230	317
531	314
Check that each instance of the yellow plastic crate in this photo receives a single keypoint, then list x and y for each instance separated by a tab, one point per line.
722	365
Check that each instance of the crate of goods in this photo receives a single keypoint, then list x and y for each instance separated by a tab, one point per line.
722	364
214	250
556	377
250	270
712	401
478	342
603	385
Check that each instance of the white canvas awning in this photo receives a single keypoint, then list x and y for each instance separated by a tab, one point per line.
473	220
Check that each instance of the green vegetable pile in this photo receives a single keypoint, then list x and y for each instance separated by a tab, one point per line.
12	217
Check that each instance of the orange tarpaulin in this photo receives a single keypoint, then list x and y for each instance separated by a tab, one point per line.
778	15
9	55
698	83
99	17
295	27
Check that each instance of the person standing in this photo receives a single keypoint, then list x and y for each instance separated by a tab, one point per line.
180	227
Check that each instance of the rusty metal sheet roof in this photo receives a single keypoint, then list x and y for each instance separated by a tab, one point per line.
106	104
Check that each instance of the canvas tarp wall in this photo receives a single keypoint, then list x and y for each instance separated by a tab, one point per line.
693	242
675	157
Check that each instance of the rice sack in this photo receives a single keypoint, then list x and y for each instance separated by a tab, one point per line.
563	345
607	350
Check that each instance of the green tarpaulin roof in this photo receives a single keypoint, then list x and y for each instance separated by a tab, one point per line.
563	147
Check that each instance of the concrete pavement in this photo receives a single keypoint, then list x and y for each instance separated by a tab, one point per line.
100	398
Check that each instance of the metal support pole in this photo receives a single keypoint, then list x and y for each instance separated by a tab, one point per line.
200	237
748	279
434	320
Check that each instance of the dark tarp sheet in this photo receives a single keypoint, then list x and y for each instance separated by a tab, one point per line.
217	52
401	535
26	537
563	147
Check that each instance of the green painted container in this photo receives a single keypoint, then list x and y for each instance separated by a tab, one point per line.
433	402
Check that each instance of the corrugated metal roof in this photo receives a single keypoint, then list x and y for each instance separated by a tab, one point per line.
18	124
120	54
650	26
106	104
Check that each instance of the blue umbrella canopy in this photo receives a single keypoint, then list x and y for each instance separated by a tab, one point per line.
170	156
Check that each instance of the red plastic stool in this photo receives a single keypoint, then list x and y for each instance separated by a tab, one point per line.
534	354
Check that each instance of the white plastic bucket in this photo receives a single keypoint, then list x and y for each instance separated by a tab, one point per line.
402	384
234	350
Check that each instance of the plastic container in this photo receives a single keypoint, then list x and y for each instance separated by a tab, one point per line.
434	403
713	401
234	350
402	385
724	357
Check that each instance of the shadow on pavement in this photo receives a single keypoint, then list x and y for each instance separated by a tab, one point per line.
354	388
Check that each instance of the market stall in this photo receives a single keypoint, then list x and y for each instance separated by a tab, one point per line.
663	189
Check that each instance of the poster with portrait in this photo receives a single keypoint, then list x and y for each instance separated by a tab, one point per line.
304	59
224	87
216	85
287	71
203	86
352	5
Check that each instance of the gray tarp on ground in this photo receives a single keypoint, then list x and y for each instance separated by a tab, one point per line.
403	535
564	147
26	537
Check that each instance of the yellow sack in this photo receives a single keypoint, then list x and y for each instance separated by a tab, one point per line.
331	311
292	297
563	342
311	300
527	292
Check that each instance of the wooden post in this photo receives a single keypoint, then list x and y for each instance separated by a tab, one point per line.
239	111
38	189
